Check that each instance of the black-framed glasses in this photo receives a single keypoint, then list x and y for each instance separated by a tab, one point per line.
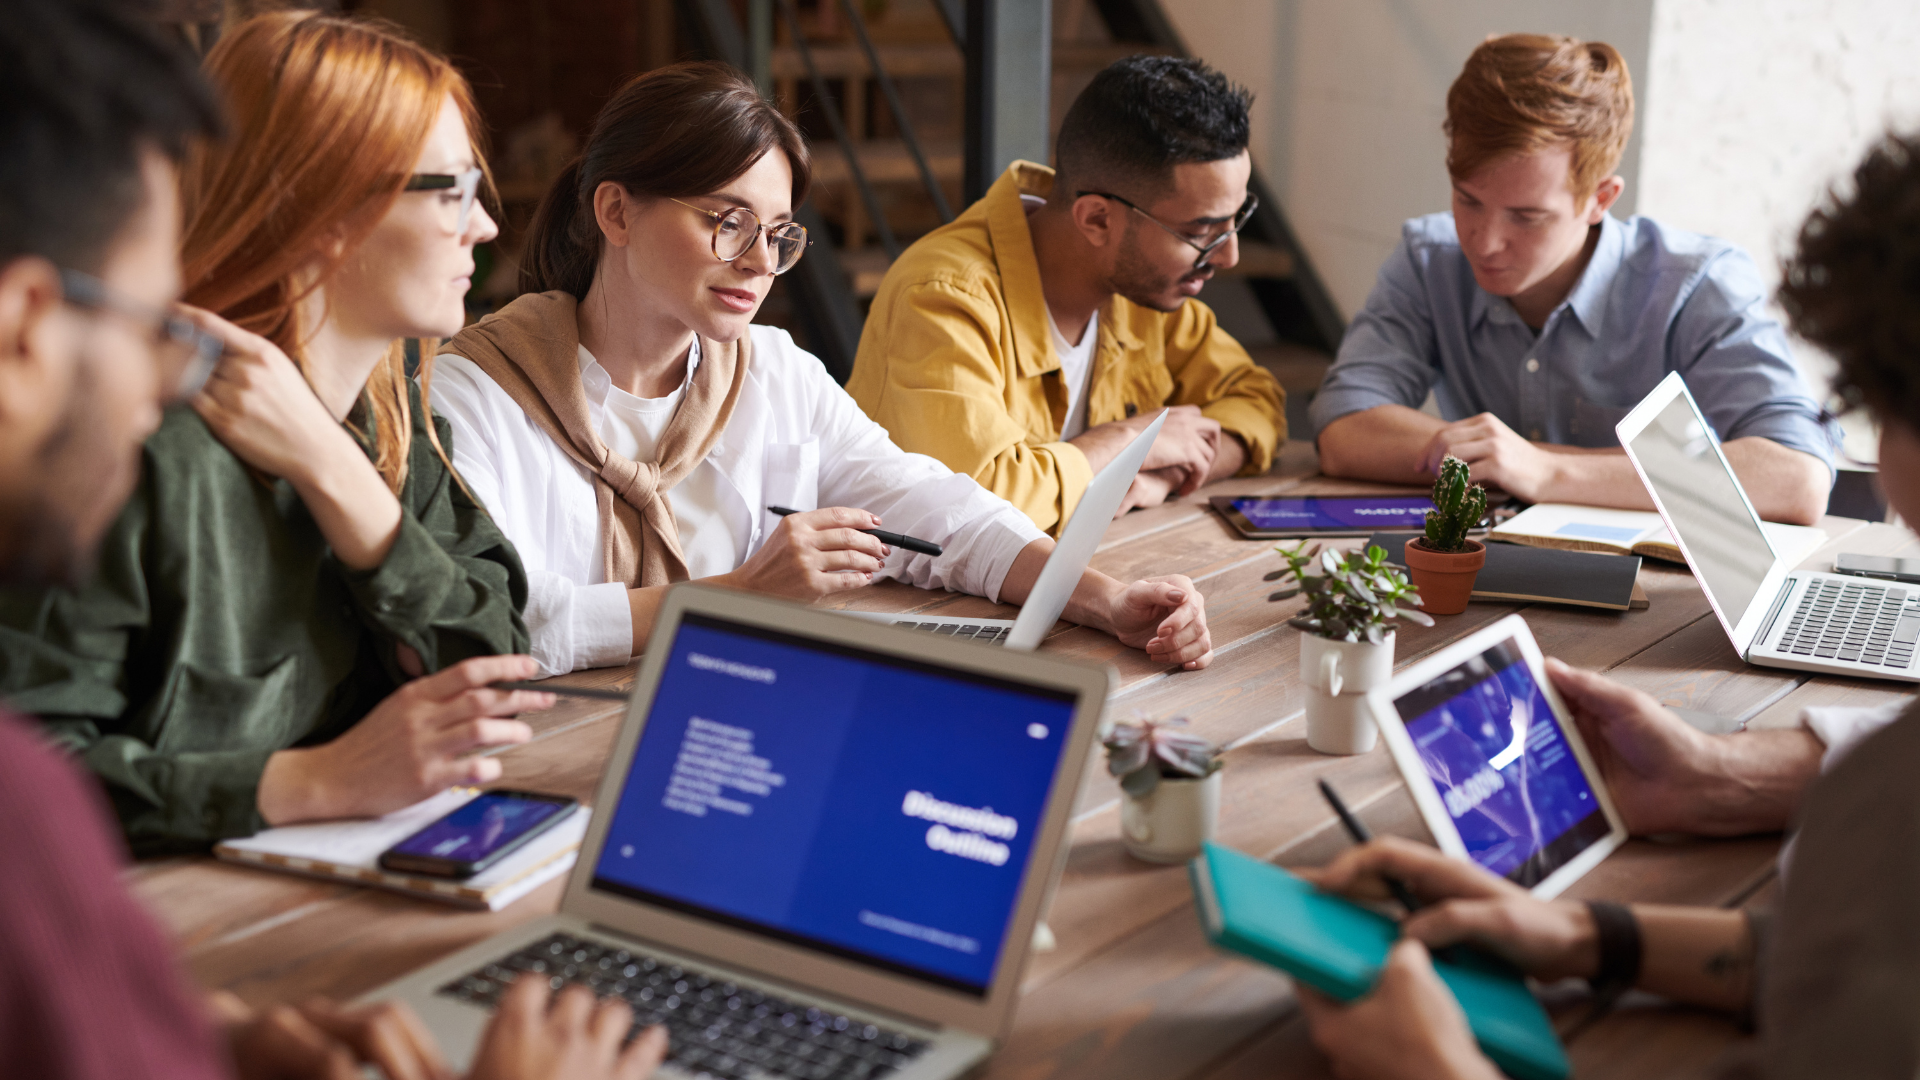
179	344
466	184
736	230
1205	247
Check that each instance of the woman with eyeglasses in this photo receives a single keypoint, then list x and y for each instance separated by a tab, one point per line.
298	548
629	428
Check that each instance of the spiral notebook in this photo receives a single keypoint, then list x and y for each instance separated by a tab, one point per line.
350	851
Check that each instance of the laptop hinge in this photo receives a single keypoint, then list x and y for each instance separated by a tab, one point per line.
1779	602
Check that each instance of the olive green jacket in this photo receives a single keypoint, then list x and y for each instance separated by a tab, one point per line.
219	629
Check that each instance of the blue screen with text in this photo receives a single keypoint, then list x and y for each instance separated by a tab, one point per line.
871	807
1337	513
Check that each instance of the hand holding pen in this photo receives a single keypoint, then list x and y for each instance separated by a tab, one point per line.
899	540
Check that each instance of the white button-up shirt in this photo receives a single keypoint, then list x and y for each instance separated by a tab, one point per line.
795	439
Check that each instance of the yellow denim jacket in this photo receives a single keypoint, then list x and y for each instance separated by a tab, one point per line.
957	361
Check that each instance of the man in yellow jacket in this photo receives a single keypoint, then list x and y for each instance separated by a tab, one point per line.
1028	341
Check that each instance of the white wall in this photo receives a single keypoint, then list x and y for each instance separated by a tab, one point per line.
1755	106
1351	95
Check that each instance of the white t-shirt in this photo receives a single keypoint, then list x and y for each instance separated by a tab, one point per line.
630	426
1076	371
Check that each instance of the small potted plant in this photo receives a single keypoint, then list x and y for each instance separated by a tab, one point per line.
1444	562
1354	606
1170	788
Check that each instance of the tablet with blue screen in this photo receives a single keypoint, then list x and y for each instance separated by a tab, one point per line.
1262	517
1495	763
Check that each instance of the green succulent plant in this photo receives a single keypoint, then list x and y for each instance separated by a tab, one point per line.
1356	597
1459	505
1143	752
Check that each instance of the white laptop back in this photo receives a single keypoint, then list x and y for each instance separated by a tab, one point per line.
1774	615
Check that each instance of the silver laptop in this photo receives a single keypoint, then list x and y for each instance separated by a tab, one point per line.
1057	580
1777	616
818	851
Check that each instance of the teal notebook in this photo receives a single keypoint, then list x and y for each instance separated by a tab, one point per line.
1259	910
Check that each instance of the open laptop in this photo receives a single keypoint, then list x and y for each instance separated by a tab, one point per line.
1057	580
819	848
1777	616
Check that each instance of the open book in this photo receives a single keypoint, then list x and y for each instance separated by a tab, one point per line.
350	851
1630	532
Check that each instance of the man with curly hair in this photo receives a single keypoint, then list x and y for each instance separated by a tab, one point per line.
1538	320
1833	973
1029	341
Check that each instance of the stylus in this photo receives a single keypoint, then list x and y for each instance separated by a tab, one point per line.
911	543
567	691
1360	835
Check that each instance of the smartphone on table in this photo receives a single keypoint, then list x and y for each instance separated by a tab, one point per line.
478	833
1878	566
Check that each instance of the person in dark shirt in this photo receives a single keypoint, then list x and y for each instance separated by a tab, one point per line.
96	114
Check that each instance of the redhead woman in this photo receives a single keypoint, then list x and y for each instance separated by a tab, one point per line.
298	547
629	427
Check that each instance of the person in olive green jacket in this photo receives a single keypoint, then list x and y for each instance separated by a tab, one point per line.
1026	343
297	547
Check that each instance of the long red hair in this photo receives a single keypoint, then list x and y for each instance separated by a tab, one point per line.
329	115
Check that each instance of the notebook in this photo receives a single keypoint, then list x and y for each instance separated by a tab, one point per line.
1338	947
1544	575
1629	532
350	851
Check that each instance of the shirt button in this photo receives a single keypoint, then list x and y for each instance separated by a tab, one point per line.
1532	365
1534	434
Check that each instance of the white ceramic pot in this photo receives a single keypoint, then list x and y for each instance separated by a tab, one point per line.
1338	675
1169	823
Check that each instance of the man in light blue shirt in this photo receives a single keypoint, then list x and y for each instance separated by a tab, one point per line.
1538	320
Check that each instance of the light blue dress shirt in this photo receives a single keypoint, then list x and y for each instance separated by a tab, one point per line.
1652	300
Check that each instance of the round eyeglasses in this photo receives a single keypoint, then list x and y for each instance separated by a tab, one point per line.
186	352
465	185
1205	245
736	230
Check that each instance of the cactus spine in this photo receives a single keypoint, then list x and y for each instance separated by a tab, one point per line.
1458	506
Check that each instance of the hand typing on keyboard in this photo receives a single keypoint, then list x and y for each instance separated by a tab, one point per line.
540	1035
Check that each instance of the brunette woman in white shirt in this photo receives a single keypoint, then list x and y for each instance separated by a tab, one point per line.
628	428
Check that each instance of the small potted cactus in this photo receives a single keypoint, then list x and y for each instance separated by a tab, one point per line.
1354	606
1444	562
1170	788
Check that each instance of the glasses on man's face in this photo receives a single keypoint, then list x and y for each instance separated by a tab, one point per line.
462	187
735	231
1207	243
178	344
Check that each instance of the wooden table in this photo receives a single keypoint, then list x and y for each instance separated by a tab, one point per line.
1132	989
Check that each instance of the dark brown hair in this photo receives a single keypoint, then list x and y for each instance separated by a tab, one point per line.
1852	286
1524	93
686	129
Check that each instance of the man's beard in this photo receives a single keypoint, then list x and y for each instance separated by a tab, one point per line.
1137	279
46	545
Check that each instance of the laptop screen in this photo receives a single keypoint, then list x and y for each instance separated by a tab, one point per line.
1494	750
1701	497
862	805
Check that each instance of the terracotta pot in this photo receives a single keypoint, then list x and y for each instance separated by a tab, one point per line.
1445	579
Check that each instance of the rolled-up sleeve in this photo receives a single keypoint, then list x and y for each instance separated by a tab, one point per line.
1390	355
1213	371
1738	364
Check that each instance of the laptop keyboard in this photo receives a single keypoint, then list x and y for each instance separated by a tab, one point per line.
1870	624
991	635
715	1028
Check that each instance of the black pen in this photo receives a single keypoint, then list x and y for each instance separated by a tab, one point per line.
911	543
1360	836
567	691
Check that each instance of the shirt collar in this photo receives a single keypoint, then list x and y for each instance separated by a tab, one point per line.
595	381
1586	299
1019	267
